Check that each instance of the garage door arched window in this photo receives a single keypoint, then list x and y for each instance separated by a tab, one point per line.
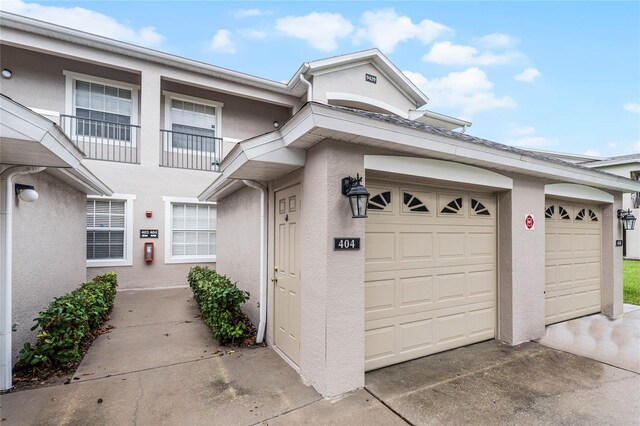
380	201
453	207
564	215
414	204
548	213
581	214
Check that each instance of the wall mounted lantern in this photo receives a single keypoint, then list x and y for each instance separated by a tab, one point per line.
6	73
628	219
358	195
26	193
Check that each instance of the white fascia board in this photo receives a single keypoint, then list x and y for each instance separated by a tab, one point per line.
46	29
36	128
81	179
437	169
603	164
403	137
578	192
440	117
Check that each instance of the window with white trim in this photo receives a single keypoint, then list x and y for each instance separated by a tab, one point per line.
193	231
104	109
106	227
194	122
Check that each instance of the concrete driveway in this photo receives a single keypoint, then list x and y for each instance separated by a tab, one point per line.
612	341
161	366
489	383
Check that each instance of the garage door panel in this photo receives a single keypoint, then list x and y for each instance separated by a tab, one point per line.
440	262
573	261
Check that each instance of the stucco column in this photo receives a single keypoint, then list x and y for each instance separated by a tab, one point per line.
150	93
521	262
612	259
332	282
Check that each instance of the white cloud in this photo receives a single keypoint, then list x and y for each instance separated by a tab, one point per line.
251	33
592	153
529	75
86	20
470	91
447	53
613	144
320	30
632	107
495	41
222	42
385	29
246	13
525	137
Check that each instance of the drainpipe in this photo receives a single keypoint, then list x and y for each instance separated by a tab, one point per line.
6	207
309	86
263	257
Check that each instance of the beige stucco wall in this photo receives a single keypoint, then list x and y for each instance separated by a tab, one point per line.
624	170
611	259
49	246
239	239
521	261
352	81
38	82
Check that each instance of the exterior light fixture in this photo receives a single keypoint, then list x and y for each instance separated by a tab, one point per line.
628	219
26	193
6	73
276	124
358	195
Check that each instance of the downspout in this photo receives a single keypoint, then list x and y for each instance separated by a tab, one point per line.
6	209
263	257
309	87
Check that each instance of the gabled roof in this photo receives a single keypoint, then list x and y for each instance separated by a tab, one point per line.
29	139
373	56
275	154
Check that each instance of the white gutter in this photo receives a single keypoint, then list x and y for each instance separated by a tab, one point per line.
6	208
309	86
263	257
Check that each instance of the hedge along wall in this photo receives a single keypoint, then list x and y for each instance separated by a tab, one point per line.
219	300
67	320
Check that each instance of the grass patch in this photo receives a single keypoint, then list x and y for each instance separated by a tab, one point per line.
631	279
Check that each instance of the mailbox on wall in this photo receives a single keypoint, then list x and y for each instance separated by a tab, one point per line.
148	252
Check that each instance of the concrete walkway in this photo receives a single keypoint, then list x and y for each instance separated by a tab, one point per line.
614	342
160	365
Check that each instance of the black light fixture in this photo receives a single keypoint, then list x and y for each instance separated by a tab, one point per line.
628	219
358	195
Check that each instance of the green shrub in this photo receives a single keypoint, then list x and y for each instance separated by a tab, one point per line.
219	300
67	320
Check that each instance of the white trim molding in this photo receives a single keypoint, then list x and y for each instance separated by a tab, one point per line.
437	169
168	258
70	99
128	232
577	192
351	97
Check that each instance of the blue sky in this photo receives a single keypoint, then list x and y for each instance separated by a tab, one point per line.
560	76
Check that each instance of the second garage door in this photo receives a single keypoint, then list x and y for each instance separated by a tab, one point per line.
430	274
572	260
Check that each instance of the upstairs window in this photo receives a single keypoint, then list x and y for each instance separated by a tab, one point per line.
194	123
102	110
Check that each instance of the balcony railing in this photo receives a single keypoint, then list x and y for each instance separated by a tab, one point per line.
189	151
103	140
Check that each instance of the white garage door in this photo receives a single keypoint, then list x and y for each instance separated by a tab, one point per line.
573	260
430	274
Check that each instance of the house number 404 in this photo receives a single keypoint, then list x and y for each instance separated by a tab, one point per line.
346	243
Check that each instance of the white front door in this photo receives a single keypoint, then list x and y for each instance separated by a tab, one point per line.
287	272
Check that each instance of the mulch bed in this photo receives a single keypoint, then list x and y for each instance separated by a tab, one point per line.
35	377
